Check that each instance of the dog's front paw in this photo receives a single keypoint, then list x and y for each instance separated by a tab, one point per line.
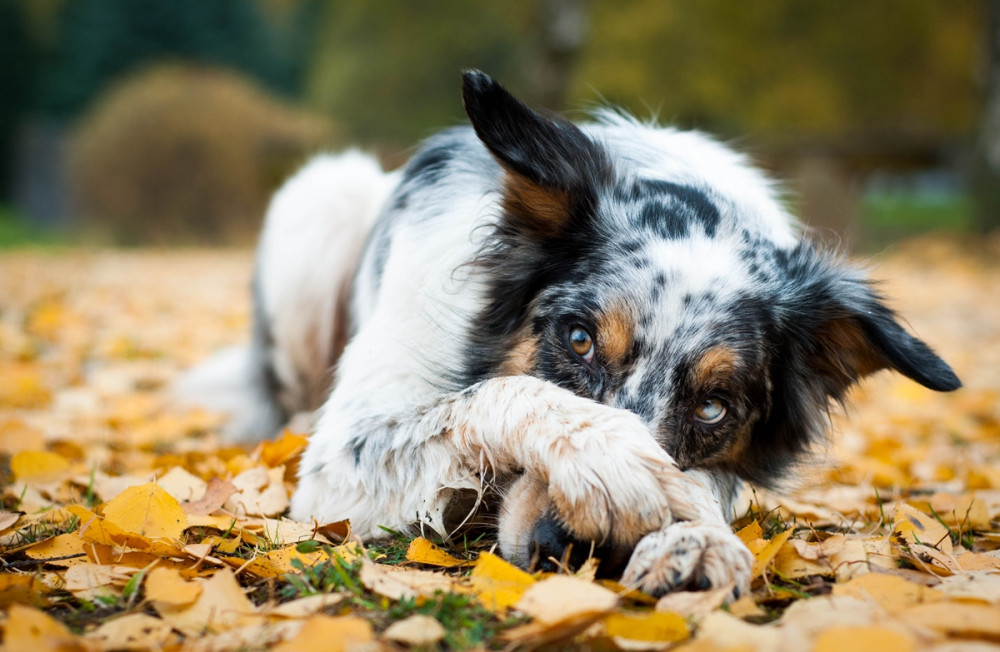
690	555
611	483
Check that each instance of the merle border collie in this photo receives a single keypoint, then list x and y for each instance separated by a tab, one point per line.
593	333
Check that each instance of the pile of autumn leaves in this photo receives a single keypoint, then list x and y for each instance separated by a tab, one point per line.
127	525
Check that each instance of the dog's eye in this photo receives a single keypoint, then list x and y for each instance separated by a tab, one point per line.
710	412
582	343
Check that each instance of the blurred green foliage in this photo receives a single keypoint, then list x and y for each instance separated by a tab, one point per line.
387	72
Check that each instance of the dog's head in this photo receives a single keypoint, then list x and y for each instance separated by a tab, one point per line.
655	271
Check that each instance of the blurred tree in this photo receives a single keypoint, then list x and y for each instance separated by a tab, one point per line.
100	40
18	56
562	29
986	171
823	67
390	70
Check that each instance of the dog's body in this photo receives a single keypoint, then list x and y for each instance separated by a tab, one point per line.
611	324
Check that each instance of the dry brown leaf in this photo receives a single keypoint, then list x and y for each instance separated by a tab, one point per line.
181	484
562	598
330	634
132	632
304	607
260	491
216	493
89	580
888	591
222	605
956	618
417	630
399	583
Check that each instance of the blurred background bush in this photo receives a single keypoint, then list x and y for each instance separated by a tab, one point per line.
143	121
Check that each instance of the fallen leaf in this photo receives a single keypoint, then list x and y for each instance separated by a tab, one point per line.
401	583
35	467
694	604
330	634
62	545
131	632
498	584
30	629
8	520
417	630
766	552
649	627
561	597
956	618
888	591
424	552
864	639
222	605
146	510
167	586
181	484
216	493
89	580
307	606
917	528
260	491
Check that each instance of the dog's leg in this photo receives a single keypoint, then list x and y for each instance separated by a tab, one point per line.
607	477
700	553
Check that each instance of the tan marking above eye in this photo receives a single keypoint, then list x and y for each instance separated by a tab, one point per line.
614	333
715	365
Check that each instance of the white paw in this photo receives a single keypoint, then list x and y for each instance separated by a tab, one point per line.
690	555
610	482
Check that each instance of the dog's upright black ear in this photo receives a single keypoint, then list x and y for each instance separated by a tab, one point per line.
843	330
553	170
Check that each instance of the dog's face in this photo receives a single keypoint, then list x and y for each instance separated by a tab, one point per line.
659	282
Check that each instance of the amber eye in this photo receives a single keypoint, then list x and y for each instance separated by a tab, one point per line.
582	343
710	412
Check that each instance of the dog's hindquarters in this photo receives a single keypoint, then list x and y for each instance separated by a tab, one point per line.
313	235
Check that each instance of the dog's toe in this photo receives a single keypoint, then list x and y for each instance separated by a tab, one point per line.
689	556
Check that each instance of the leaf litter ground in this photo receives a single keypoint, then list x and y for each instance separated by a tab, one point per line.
127	524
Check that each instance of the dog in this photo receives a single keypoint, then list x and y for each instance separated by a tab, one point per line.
594	333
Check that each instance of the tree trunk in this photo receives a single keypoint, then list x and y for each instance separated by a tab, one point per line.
562	31
986	171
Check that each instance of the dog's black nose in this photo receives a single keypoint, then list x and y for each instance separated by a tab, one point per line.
554	547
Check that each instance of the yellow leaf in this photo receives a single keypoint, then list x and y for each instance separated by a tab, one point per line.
863	639
891	592
31	629
136	631
21	386
957	618
424	552
8	521
166	586
276	563
220	607
916	527
765	556
24	589
146	510
62	545
96	529
330	634
750	533
650	626
790	563
498	584
278	452
39	466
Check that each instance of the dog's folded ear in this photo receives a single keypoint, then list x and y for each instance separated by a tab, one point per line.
844	331
553	170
